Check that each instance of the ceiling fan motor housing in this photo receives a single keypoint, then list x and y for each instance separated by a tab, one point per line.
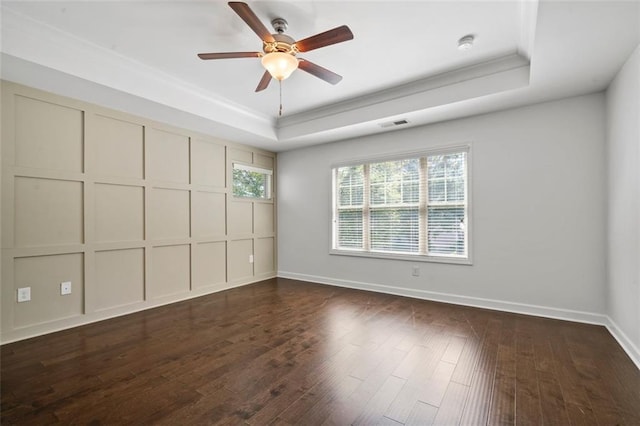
283	43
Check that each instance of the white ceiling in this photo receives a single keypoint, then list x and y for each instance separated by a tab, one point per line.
402	63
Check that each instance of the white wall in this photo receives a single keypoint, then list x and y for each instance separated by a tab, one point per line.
623	245
538	187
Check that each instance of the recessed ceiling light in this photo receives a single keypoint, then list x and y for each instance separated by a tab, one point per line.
466	42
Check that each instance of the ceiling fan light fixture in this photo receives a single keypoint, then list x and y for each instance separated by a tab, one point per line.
279	64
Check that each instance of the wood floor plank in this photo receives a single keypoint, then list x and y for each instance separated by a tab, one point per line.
527	392
476	407
285	352
422	370
552	404
379	403
422	414
502	410
346	411
452	405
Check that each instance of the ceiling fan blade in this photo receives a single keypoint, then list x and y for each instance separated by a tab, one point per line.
229	55
318	71
327	38
264	81
247	15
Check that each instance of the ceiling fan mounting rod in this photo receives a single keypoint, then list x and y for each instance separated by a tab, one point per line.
280	25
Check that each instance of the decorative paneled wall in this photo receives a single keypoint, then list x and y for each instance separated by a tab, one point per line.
134	213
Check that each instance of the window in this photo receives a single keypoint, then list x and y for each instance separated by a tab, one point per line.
251	181
414	208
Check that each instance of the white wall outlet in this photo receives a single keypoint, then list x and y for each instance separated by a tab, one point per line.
65	288
24	294
415	271
250	258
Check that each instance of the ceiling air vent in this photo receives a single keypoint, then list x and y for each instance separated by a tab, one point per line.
393	123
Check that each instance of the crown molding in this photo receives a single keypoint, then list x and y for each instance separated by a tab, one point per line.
34	41
507	72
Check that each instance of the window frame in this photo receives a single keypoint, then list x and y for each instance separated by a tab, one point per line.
255	169
424	205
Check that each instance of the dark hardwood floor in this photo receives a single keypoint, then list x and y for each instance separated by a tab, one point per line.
285	352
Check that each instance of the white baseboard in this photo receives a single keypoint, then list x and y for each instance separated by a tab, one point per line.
624	341
498	305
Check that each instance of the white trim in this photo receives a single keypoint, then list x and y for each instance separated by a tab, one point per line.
30	40
255	169
402	256
627	345
405	155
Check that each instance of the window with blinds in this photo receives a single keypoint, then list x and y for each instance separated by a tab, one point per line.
413	207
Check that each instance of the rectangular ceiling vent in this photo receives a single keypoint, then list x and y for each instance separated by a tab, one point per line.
393	123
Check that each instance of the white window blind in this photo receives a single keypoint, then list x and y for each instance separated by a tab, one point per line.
415	206
446	204
394	206
350	204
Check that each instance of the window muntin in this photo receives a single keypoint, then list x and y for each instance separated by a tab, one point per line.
415	207
251	181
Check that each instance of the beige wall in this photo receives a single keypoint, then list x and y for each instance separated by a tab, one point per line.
134	213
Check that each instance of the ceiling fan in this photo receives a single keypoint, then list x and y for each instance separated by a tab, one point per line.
279	50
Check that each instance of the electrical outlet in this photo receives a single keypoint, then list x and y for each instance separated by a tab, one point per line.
415	271
24	294
250	258
65	288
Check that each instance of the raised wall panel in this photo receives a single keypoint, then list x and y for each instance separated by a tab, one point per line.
170	272
240	218
117	148
48	136
263	161
240	155
263	218
48	212
168	156
139	210
208	214
119	277
169	214
264	255
44	275
238	264
208	163
119	213
209	264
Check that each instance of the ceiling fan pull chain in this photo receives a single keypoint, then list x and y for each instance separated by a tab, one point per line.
280	111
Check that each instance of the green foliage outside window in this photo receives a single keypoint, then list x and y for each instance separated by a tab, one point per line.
251	184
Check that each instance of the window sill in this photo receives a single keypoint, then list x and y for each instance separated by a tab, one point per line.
405	257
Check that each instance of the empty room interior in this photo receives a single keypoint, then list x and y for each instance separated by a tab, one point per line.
320	212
